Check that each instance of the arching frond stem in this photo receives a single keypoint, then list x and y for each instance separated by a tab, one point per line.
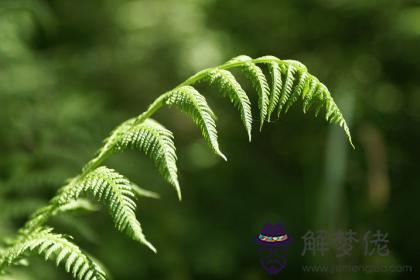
290	81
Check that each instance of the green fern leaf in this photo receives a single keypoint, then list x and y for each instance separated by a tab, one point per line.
298	89
229	86
43	241
276	88
316	93
148	136
105	185
191	102
287	88
296	82
258	80
157	143
116	192
309	93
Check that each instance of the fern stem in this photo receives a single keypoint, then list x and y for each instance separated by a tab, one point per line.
229	65
159	102
155	106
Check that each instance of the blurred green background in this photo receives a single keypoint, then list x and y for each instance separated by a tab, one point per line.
70	71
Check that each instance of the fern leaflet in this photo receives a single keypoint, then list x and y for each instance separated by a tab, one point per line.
191	102
148	136
259	82
44	242
229	86
105	185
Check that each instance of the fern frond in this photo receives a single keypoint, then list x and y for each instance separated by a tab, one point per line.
299	86
52	246
289	76
191	102
277	84
309	92
258	80
290	81
297	82
148	136
106	186
229	86
157	142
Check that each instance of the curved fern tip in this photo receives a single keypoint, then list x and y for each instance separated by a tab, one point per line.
261	126
347	131
178	191
222	155
350	141
149	245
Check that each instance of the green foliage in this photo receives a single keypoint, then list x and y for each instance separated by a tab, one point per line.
191	102
43	241
151	138
290	81
105	185
258	80
228	86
